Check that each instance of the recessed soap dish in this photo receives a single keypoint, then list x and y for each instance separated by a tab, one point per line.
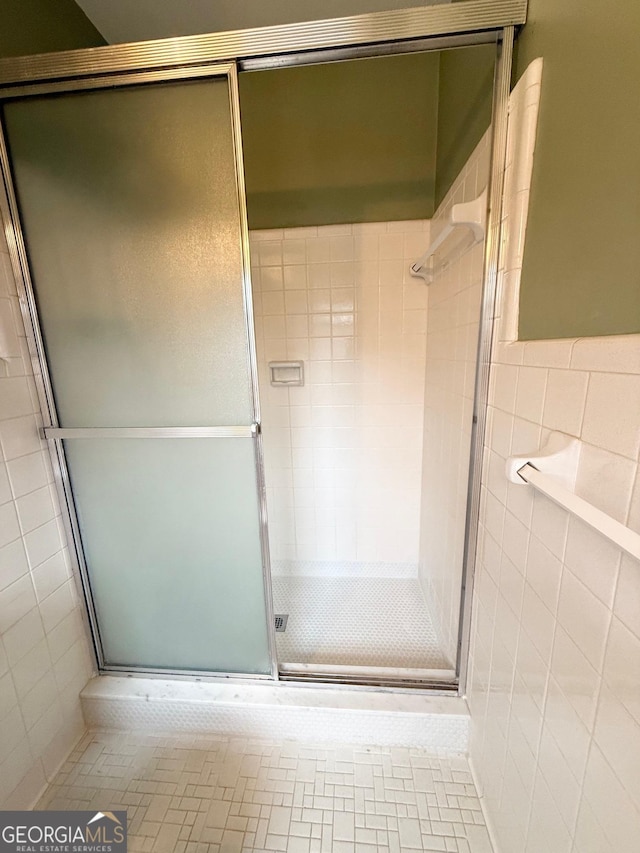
286	372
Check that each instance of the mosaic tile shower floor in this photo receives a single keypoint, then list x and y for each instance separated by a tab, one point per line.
224	795
382	622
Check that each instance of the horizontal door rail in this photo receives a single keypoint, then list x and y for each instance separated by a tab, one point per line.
152	432
618	533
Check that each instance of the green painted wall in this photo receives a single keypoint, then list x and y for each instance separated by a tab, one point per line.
345	142
465	98
41	26
581	274
138	20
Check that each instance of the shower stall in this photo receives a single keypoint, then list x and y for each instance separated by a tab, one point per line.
265	429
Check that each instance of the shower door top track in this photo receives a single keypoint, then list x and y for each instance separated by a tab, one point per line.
390	31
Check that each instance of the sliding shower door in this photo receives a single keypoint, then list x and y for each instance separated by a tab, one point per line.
131	204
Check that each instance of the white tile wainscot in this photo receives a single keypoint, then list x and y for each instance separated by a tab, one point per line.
554	692
555	655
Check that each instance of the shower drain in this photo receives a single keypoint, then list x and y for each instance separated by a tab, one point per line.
281	622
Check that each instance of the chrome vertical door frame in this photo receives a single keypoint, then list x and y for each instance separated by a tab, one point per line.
501	89
253	367
51	428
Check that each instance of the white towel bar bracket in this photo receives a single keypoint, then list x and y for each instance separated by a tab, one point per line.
559	458
473	214
553	472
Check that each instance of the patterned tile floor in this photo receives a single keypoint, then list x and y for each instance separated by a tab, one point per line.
356	622
197	794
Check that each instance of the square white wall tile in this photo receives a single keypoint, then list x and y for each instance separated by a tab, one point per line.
362	335
38	603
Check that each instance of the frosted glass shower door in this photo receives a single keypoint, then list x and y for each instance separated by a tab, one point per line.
131	207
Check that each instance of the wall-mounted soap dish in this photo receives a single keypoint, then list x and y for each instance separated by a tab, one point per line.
286	372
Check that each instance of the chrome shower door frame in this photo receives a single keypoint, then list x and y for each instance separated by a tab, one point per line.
56	435
501	89
378	34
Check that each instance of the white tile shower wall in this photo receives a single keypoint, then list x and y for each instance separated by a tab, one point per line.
343	452
44	651
555	656
452	339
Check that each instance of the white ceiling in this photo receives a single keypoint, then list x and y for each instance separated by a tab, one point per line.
139	20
